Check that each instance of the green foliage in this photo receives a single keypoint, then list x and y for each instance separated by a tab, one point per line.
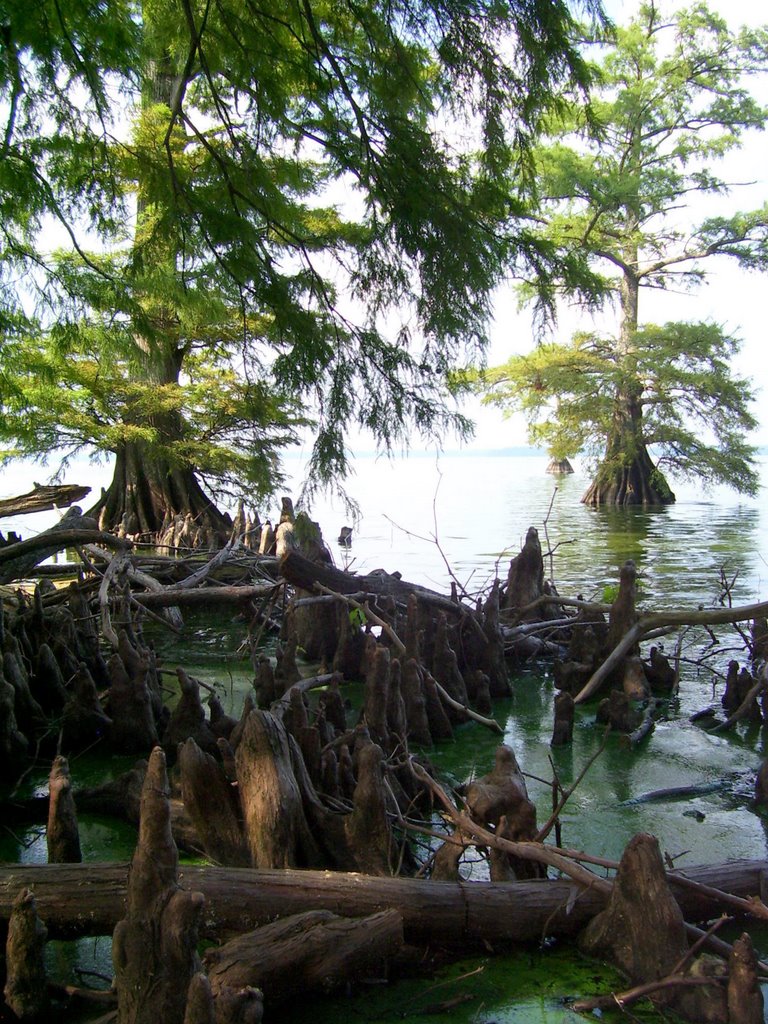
208	148
357	618
695	411
671	99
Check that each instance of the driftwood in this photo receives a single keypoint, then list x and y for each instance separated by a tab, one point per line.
317	951
18	560
43	498
89	899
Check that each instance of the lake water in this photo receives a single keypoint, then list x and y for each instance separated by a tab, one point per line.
420	515
472	512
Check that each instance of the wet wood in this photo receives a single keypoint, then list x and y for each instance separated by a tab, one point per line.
317	951
25	988
89	899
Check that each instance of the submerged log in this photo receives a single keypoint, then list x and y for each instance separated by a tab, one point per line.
317	951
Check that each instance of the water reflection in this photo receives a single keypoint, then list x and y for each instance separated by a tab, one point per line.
473	513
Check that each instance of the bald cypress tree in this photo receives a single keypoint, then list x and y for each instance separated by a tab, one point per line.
290	226
624	187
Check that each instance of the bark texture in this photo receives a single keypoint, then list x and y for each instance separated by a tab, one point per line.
25	991
89	899
312	952
154	945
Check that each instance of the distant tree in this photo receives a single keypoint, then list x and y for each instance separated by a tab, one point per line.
233	296
670	101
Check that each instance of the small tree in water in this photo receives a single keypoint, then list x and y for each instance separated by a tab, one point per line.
670	102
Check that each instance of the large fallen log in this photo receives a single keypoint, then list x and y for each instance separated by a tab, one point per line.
171	597
42	499
304	573
88	899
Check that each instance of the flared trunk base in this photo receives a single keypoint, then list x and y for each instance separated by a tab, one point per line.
157	503
638	483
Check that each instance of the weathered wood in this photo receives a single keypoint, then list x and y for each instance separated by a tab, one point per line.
177	596
642	931
212	805
154	944
317	951
304	573
745	997
89	899
17	560
25	989
62	834
276	828
654	621
43	498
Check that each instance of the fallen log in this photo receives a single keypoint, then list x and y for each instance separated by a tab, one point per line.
178	596
88	899
43	498
17	560
304	573
312	952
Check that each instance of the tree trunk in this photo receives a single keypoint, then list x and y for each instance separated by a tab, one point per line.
147	494
153	486
627	474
